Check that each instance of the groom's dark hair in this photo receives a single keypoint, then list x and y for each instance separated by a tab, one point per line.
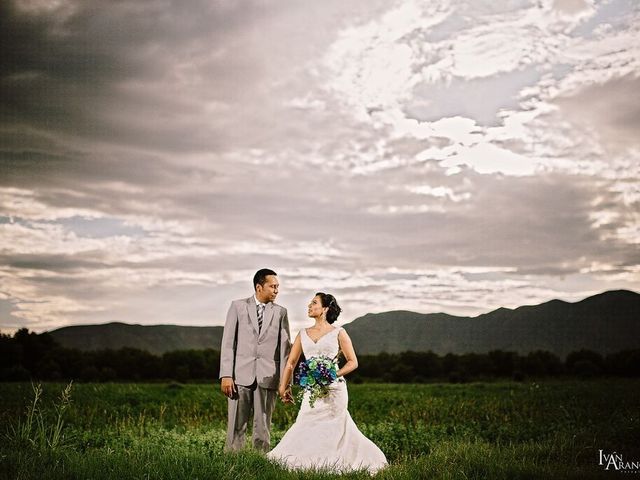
261	276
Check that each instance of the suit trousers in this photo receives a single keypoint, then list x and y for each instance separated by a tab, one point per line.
262	402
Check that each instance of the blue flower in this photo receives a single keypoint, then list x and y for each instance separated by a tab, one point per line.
314	376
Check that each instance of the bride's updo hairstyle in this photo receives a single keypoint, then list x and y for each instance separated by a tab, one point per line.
329	301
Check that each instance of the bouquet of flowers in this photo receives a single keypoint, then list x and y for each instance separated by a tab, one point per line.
315	375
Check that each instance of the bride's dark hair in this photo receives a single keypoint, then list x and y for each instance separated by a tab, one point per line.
329	301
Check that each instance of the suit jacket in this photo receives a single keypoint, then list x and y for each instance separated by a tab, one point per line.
247	355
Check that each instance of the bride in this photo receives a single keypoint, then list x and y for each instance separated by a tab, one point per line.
324	436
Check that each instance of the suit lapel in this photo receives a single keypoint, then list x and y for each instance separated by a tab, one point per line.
253	313
266	320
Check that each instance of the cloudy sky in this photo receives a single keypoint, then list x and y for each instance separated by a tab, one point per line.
444	155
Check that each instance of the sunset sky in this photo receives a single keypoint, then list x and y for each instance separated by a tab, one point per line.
420	155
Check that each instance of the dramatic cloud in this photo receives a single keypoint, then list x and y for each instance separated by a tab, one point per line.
436	156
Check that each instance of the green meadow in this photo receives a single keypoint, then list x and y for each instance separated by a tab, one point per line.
494	430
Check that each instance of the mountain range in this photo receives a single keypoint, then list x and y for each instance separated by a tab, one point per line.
607	322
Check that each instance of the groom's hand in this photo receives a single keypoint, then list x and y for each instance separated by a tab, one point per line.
228	387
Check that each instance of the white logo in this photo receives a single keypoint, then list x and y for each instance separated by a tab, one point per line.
614	461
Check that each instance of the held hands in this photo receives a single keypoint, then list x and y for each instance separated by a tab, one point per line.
228	387
285	394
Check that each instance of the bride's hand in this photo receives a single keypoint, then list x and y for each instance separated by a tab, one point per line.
285	394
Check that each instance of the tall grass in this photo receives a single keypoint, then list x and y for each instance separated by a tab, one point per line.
37	429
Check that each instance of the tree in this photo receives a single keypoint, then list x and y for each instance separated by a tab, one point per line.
504	363
584	363
541	363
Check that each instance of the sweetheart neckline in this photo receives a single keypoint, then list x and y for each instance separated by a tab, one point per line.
316	342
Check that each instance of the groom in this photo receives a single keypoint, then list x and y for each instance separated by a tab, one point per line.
255	348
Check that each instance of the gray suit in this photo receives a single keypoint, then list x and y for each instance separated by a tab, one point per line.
255	359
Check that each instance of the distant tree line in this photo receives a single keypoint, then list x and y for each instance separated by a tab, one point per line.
28	355
417	367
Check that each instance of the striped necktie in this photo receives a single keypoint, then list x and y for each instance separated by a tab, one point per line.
260	315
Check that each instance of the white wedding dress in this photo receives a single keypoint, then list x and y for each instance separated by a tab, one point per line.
325	436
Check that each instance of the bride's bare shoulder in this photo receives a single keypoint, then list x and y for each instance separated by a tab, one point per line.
342	334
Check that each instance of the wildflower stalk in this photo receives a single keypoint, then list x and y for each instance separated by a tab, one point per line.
65	401
34	430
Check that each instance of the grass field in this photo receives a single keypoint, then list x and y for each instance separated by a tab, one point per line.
501	430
